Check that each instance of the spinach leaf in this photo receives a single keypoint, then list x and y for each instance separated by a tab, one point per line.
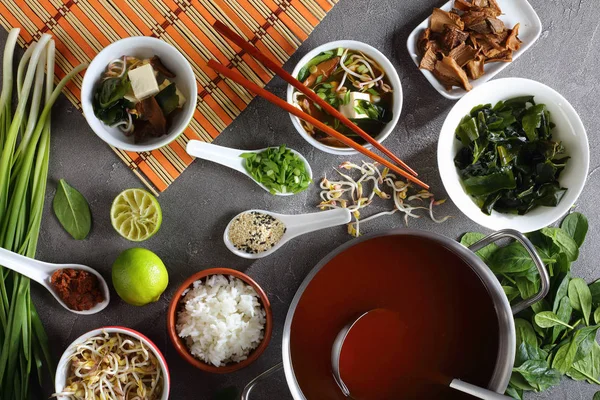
111	90
597	316
564	242
564	313
538	374
514	392
471	238
525	333
526	287
588	368
548	319
511	292
578	347
561	291
72	210
576	226
526	352
581	297
510	259
596	396
595	292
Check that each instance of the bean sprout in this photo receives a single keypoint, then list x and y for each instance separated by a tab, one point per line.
351	194
109	366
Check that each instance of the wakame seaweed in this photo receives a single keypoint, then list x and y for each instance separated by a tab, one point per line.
509	162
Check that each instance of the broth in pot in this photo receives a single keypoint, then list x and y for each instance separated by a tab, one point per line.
443	326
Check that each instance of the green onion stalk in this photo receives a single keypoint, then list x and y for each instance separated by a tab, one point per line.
24	156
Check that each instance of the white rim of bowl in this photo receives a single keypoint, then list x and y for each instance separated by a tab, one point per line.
390	72
64	359
447	173
87	85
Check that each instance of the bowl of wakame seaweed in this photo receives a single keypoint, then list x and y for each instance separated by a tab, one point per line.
513	154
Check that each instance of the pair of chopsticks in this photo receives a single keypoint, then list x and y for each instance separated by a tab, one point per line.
267	62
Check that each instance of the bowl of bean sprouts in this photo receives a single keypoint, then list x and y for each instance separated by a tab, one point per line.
112	362
110	60
357	80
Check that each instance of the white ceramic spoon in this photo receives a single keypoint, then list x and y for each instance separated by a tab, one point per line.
41	272
457	384
296	225
231	158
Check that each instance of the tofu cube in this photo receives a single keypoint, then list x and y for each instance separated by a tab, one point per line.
348	109
143	82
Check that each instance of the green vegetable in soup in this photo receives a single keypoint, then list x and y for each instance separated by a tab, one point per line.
72	210
305	70
509	162
167	99
279	169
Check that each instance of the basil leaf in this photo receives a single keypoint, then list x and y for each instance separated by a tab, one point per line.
581	297
548	319
538	374
576	226
485	253
72	210
566	244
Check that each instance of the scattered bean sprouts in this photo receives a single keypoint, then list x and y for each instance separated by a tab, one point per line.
113	366
353	195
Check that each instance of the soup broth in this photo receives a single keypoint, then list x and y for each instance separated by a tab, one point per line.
355	85
445	324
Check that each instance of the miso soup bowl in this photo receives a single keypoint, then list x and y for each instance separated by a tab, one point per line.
390	72
142	47
322	281
62	370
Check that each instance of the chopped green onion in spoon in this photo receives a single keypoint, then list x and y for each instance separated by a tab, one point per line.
278	169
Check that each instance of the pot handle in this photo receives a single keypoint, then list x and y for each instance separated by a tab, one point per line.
263	376
519	237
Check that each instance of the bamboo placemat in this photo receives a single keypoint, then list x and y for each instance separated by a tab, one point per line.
81	28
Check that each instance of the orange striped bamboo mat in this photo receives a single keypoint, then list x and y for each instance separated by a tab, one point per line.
82	28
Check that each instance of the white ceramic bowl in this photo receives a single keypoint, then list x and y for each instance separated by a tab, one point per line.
143	47
390	72
62	369
513	11
569	130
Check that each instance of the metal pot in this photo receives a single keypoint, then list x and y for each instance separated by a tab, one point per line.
507	338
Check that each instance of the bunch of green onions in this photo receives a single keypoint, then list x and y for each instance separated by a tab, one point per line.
24	155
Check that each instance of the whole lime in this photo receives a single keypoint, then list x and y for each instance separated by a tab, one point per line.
139	276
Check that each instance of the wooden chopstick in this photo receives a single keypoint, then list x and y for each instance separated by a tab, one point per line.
238	78
267	62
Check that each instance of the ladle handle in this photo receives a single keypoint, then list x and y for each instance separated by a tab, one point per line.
539	264
218	154
33	269
261	377
476	391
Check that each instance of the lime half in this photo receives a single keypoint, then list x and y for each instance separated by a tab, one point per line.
136	214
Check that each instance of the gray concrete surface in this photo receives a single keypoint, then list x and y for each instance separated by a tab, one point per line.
198	205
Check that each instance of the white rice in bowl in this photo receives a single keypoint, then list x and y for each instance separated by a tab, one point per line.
221	320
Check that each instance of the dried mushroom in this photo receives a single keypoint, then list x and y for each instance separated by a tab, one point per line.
458	44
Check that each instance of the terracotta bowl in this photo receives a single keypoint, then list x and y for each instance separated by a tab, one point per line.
180	344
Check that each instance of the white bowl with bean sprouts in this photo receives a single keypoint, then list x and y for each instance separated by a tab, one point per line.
362	70
143	48
116	362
